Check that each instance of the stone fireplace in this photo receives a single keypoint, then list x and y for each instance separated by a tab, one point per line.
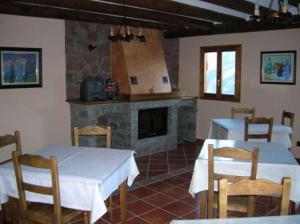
124	120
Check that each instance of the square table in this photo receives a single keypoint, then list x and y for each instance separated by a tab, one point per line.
288	219
274	162
234	129
87	177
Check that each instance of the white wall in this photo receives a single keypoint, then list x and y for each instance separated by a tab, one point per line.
268	99
41	114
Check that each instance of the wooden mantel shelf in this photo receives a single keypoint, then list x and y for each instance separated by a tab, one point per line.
137	98
156	96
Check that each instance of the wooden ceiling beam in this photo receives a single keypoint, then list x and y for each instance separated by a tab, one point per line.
241	5
173	7
294	2
58	13
228	28
116	10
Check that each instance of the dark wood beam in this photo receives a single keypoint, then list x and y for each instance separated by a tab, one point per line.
227	28
294	2
117	10
59	13
241	5
180	9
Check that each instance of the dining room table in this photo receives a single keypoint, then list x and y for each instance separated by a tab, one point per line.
274	163
233	129
87	177
286	219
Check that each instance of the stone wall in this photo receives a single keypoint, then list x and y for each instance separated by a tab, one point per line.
82	62
123	118
186	121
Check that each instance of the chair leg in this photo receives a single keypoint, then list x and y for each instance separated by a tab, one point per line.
86	217
203	204
123	208
13	210
251	206
110	207
293	208
3	215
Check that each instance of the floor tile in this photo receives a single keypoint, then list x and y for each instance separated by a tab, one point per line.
136	220
176	180
154	173
178	208
158	216
159	186
194	214
139	207
142	192
176	193
159	199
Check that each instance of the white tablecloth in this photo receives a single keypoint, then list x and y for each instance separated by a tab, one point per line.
290	219
274	162
87	177
233	129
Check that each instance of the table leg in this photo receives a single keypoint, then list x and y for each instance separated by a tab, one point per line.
13	210
123	206
3	213
203	204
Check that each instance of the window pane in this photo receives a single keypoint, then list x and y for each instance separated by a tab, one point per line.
228	72
210	72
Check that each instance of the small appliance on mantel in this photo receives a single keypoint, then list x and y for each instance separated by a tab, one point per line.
111	89
92	89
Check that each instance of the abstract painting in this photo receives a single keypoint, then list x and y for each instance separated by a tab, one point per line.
278	67
20	67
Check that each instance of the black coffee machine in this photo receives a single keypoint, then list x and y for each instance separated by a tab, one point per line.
111	89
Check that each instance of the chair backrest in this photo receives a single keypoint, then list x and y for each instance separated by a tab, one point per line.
228	152
12	139
36	161
288	115
258	120
242	110
254	188
92	131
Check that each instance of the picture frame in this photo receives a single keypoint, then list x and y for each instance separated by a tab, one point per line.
278	67
20	67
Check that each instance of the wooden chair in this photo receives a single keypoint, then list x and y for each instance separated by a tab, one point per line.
12	139
257	188
258	120
241	204
92	131
40	212
7	140
290	116
242	110
95	131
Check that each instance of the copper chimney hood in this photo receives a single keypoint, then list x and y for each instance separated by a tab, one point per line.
140	67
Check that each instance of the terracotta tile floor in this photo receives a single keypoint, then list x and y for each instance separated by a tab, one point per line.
166	164
161	192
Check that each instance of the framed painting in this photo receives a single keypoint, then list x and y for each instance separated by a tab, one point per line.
20	67
278	67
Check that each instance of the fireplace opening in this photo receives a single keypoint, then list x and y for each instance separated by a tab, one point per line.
152	122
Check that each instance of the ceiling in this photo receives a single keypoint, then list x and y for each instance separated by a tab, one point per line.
179	18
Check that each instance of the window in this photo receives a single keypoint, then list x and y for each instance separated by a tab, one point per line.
220	72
